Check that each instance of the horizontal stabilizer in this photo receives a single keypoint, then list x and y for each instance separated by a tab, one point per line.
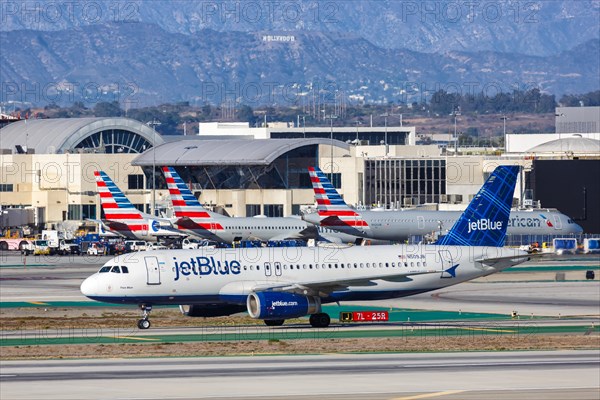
501	263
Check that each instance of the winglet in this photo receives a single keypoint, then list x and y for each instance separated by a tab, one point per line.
485	220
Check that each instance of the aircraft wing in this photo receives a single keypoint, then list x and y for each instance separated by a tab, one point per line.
310	232
196	229
108	227
501	263
324	288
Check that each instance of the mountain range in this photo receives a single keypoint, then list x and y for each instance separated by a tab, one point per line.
144	53
537	28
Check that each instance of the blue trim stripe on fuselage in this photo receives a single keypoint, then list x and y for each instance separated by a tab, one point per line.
241	299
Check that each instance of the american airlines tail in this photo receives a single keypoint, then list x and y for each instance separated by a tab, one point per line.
330	205
485	220
192	217
184	202
115	204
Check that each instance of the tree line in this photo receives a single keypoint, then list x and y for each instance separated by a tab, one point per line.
175	118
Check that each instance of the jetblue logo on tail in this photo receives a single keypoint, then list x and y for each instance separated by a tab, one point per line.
484	225
485	220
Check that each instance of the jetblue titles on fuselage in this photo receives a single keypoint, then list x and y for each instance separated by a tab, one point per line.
200	266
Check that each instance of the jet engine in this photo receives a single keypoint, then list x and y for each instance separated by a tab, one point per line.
277	305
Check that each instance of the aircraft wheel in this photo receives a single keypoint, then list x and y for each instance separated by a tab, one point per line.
320	320
274	322
144	323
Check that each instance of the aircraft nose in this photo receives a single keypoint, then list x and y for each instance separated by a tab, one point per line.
88	287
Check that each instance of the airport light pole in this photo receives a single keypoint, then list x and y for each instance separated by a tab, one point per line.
504	118
456	113
385	138
331	117
153	124
304	126
559	115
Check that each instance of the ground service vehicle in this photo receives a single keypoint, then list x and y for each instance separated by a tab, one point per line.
68	246
135	245
591	245
37	247
565	245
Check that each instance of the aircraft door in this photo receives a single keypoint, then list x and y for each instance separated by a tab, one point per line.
268	270
557	222
144	231
420	222
152	270
277	268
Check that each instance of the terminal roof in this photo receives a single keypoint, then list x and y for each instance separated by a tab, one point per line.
225	152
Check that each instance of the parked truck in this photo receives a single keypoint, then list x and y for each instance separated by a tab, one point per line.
37	247
68	246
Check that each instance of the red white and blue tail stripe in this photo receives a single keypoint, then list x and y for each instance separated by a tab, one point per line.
330	204
122	217
192	216
184	202
116	206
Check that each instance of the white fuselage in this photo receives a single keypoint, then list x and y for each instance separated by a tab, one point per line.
208	276
400	225
229	230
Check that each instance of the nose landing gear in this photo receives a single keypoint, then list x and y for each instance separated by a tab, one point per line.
144	323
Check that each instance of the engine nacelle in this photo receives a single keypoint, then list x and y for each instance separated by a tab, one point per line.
210	310
278	305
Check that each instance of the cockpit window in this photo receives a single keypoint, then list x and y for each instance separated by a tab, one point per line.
106	268
124	269
116	269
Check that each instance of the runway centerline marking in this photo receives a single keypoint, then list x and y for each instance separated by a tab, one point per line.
429	395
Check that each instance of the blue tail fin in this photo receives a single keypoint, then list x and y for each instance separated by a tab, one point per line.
485	220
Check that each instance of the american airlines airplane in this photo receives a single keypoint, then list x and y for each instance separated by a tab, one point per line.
275	284
123	219
193	219
334	213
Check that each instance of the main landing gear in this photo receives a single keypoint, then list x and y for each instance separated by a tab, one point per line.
320	320
144	323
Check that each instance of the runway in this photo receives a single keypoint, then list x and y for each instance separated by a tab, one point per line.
408	376
505	375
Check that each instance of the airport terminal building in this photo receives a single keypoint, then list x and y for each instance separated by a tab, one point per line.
49	164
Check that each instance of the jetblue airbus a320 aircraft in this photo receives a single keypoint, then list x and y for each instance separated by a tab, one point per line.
334	213
275	284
